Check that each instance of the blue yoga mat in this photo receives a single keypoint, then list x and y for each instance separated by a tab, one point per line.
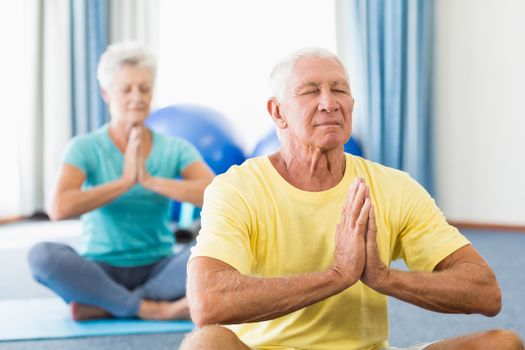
47	318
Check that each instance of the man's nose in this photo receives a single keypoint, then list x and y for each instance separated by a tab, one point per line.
328	102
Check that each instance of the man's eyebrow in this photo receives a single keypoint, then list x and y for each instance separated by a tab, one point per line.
341	82
308	84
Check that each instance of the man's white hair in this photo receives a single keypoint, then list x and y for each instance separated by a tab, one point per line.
124	53
281	71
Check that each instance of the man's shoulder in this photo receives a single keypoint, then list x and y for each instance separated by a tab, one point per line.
248	169
243	177
366	166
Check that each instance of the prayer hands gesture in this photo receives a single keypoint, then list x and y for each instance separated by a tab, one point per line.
134	160
356	255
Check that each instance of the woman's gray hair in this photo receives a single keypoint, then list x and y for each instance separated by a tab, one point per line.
281	71
124	53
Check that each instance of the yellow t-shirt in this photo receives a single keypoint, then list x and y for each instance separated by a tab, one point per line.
257	222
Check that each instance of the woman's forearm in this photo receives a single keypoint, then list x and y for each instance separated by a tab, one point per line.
191	191
74	202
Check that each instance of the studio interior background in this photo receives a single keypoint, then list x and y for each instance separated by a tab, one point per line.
462	90
438	86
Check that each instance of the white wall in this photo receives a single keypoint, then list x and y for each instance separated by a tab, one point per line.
480	119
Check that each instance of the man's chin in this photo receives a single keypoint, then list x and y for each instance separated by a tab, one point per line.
333	142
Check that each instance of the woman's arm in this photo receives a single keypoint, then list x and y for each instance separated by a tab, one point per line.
70	200
196	177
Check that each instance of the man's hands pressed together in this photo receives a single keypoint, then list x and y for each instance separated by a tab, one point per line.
356	255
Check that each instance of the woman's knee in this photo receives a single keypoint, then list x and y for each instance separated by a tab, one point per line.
44	257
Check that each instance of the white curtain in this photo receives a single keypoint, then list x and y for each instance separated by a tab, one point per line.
45	112
36	125
11	14
391	42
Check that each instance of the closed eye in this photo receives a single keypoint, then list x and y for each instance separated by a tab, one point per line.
309	92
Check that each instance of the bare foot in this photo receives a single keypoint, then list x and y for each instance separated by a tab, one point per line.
82	312
164	310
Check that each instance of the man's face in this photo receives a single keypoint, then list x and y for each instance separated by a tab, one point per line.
317	104
129	96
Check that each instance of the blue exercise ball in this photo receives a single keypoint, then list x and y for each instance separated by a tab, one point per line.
206	129
353	147
270	144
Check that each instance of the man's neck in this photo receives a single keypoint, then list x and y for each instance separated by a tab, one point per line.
310	169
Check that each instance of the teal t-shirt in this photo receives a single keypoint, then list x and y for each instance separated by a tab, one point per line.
132	230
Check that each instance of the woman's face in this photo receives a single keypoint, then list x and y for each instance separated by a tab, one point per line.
129	96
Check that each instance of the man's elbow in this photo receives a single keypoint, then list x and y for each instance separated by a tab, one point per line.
493	304
490	299
202	310
209	303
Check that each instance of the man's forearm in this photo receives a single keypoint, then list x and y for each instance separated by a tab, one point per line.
228	297
467	288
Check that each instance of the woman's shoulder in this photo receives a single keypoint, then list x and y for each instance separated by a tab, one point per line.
92	136
88	142
169	141
174	147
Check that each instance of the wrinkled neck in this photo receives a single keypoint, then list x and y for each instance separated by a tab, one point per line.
310	168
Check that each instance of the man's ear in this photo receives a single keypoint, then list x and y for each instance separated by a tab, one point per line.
274	109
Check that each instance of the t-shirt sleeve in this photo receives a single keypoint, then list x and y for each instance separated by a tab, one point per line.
425	236
77	153
225	230
188	154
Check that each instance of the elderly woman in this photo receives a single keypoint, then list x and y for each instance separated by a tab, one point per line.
121	179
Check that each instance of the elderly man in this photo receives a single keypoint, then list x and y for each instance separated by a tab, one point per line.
295	248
